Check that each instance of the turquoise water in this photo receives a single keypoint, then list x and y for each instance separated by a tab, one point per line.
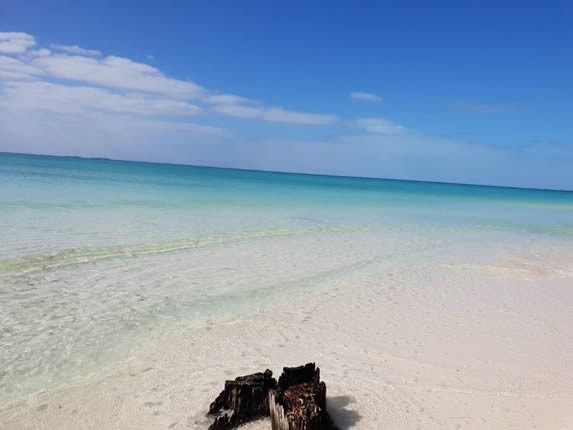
96	255
53	204
63	209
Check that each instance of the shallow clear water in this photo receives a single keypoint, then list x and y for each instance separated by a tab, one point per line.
96	255
50	204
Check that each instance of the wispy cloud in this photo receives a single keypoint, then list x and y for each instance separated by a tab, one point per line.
14	69
15	43
379	125
96	134
365	97
116	72
68	77
226	99
249	109
237	106
74	49
64	99
88	80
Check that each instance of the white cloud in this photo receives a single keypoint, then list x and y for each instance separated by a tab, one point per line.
15	69
277	114
239	110
379	125
226	99
75	50
365	97
43	52
244	108
185	128
15	43
117	72
69	100
114	80
63	99
103	135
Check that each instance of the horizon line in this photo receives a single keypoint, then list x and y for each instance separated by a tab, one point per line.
373	178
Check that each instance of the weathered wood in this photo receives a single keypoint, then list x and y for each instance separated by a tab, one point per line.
299	403
244	399
279	420
299	375
296	402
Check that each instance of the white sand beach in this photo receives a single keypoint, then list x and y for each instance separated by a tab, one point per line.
409	333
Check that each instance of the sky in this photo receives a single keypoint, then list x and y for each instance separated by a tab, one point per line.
455	91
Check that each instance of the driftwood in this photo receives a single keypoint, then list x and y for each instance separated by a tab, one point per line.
296	402
244	399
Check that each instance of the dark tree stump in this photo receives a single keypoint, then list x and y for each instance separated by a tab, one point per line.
244	399
299	375
299	403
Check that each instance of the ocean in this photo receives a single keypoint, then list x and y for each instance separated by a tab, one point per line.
98	257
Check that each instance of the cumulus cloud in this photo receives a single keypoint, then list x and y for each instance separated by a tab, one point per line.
379	125
74	49
365	97
15	43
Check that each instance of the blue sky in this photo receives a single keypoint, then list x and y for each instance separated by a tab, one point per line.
459	91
